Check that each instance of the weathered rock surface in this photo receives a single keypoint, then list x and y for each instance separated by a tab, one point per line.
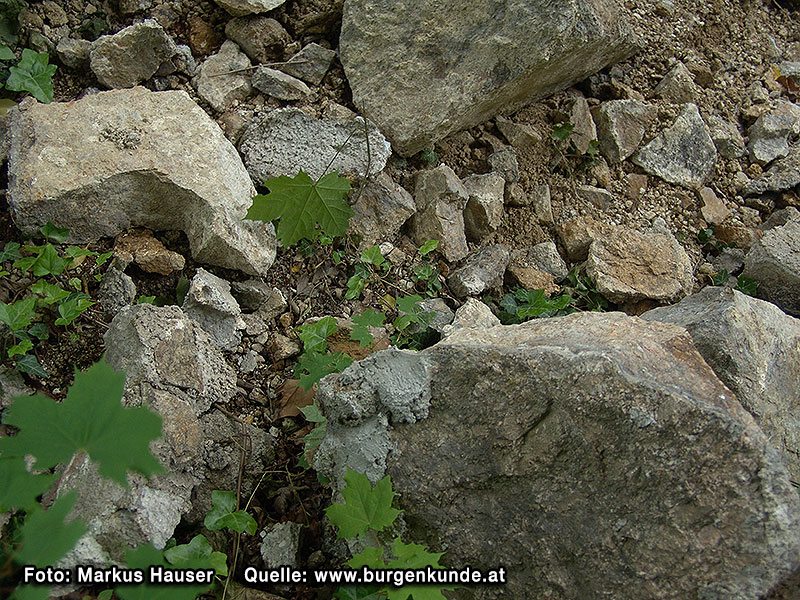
505	163
484	211
74	53
279	85
544	257
222	79
578	234
125	158
240	8
440	198
280	545
754	348
611	459
769	134
774	261
173	368
784	174
584	130
677	85
683	154
620	127
283	141
209	303
132	55
480	60
261	38
482	271
141	247
310	64
473	314
713	209
726	136
117	290
630	265
518	135
381	210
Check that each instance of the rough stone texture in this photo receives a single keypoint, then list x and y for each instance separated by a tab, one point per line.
620	127
261	38
598	197
545	257
283	347
473	314
505	162
713	209
518	135
127	7
480	60
280	142
279	85
578	234
253	294
613	461
754	348
12	386
132	55
584	130
484	211
182	61
240	8
784	174
117	290
726	136
677	85
542	206
310	64
774	261
141	247
74	53
730	260
529	277
209	303
124	158
482	271
173	368
221	80
441	199
381	210
769	134
280	545
683	154
629	265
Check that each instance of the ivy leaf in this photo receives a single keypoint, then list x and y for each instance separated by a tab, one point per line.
315	335
747	285
373	256
198	554
29	364
365	507
71	309
144	557
415	556
46	537
6	53
10	252
33	74
371	557
19	315
223	514
18	487
428	247
40	331
52	293
46	262
369	318
22	347
411	312
301	204
56	234
562	131
90	419
314	366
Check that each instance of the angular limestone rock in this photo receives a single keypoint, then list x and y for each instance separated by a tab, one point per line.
484	211
133	157
754	348
209	303
483	271
240	8
423	70
592	455
381	210
223	79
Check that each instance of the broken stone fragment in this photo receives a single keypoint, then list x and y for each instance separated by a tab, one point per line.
482	271
223	79
484	211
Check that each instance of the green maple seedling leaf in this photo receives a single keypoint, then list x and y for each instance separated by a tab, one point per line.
46	537
301	204
369	318
314	366
365	507
197	554
33	74
415	556
18	487
358	592
315	335
91	419
144	557
371	557
52	293
223	514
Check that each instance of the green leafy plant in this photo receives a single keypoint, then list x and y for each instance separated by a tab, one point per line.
224	514
427	274
582	291
316	361
9	20
429	155
313	438
367	510
372	264
523	305
32	73
361	324
304	208
747	285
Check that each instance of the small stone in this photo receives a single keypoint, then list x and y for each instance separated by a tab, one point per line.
515	195
279	85
600	171
210	304
54	13
783	175
637	185
283	347
261	38
483	271
248	362
730	260
542	207
702	74
505	163
683	154
545	257
578	234
310	64
74	53
584	131
117	290
484	211
223	79
281	545
738	235
677	86
713	210
132	55
758	93
239	8
12	386
518	135
532	279
473	314
147	252
769	134
381	209
598	197
202	37
275	305
251	294
128	7
442	315
183	62
620	127
727	139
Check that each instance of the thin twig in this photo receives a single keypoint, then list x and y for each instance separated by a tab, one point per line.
272	64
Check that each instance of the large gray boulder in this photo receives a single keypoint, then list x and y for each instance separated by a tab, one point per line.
592	455
128	158
422	70
175	369
754	348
